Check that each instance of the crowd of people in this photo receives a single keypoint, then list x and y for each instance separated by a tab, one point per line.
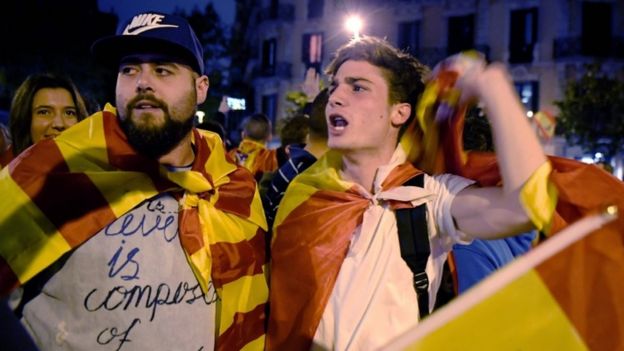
135	228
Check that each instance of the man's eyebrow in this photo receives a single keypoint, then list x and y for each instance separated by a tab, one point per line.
353	80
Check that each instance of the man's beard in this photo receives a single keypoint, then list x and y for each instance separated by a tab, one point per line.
154	141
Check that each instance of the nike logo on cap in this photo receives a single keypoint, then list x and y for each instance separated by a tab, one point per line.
144	22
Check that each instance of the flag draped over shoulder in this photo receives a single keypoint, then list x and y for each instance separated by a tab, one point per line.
255	157
313	230
59	193
584	281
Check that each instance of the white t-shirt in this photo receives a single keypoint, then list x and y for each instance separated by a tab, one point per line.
129	287
373	300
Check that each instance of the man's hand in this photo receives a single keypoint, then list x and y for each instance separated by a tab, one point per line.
223	106
311	84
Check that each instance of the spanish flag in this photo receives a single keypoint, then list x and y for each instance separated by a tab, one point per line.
563	295
59	193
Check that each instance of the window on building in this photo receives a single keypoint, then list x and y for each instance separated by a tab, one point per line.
315	8
269	50
312	50
274	9
529	95
269	106
409	36
523	35
596	34
460	34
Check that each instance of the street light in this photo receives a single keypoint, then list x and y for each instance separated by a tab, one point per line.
354	24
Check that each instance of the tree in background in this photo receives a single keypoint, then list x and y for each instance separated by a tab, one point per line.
592	113
214	35
55	36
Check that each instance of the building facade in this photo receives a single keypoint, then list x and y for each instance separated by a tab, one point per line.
545	43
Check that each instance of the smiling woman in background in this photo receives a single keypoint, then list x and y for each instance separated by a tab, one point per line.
44	105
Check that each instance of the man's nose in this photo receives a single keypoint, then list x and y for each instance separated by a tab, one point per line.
336	97
144	81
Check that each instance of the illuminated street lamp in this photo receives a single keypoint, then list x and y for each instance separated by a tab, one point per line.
354	25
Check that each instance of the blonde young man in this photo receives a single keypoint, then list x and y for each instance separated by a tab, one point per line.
336	231
134	230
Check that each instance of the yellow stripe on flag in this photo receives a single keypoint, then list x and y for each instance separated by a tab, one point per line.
123	190
257	344
521	316
323	174
252	292
539	198
40	242
84	151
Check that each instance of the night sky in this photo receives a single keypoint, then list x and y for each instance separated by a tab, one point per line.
126	8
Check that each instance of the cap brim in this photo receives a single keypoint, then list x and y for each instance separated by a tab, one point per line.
110	50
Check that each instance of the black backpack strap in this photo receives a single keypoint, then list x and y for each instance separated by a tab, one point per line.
414	244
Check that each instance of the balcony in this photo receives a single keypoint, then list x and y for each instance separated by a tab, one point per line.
574	47
281	12
431	56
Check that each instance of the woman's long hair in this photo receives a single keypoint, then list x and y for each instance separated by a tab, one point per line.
20	115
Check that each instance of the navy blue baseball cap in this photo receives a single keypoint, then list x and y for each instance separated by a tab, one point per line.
152	32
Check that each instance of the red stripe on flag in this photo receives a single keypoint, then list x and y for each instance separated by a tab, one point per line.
190	230
246	327
237	195
231	261
69	200
310	244
586	278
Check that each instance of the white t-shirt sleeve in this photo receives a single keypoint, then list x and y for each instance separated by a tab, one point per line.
446	187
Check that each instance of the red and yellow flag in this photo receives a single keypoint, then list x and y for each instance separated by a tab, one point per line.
255	157
570	301
563	295
59	193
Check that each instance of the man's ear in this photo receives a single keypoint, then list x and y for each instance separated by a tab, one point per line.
201	86
400	113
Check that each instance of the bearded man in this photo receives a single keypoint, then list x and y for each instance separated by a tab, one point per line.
135	231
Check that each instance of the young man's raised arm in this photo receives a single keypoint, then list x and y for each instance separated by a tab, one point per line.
494	212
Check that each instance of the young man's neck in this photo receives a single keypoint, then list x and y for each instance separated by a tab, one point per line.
181	155
361	168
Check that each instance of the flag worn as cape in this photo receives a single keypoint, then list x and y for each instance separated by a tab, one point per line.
313	231
59	193
255	157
